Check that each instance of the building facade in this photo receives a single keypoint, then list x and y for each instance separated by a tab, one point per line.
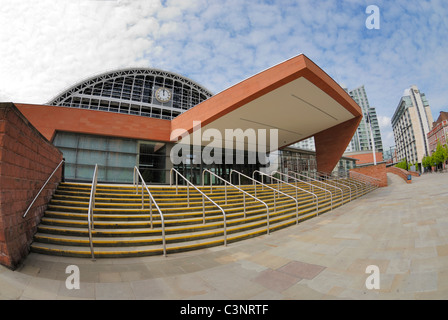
439	132
362	140
411	123
139	117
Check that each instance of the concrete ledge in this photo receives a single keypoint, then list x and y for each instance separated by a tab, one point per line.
403	173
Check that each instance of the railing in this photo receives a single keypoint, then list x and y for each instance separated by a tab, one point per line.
321	182
90	218
269	187
262	174
329	177
321	174
371	180
178	174
311	185
359	184
337	181
137	178
41	189
244	193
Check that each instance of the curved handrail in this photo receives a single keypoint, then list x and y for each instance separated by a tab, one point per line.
41	189
358	183
321	182
296	187
137	174
90	219
327	178
337	181
366	177
244	192
265	185
325	190
203	195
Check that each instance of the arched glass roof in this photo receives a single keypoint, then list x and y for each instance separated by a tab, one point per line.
145	92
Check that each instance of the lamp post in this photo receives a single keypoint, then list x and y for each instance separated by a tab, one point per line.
371	137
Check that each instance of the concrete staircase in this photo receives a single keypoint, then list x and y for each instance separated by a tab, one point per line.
123	229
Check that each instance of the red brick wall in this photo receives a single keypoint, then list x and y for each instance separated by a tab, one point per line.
363	158
331	144
402	173
94	122
379	172
27	159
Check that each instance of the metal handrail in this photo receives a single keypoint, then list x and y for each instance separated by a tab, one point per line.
366	177
41	189
298	180
296	187
269	187
321	182
321	175
203	204
336	181
358	183
138	175
90	218
243	191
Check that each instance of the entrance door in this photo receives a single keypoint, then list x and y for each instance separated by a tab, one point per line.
152	158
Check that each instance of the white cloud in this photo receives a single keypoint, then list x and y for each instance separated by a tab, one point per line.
49	45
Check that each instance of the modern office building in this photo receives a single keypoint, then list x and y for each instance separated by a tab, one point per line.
411	123
362	140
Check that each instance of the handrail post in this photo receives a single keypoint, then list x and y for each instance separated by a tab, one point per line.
151	199
208	198
90	217
278	191
150	209
322	183
243	191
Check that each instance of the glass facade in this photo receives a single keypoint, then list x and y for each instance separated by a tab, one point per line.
135	91
115	157
192	166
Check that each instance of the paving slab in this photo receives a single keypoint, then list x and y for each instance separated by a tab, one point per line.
402	229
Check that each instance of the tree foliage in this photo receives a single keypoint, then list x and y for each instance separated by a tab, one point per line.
437	158
440	155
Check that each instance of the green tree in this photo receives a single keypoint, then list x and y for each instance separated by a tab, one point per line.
427	162
402	165
440	155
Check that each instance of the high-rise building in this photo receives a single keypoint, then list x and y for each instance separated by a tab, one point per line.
411	123
362	140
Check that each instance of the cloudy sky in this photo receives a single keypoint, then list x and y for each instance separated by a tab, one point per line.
49	45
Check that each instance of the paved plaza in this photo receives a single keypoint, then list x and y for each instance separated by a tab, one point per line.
401	229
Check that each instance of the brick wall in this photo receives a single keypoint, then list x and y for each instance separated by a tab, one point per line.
378	172
27	159
402	173
366	157
331	144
